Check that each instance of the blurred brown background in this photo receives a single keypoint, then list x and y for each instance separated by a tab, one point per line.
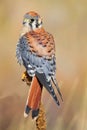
67	21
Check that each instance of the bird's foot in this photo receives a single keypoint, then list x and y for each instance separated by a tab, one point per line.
26	78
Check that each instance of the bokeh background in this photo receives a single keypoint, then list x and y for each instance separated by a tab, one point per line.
67	21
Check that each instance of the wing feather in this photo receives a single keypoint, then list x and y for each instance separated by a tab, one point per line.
38	57
39	64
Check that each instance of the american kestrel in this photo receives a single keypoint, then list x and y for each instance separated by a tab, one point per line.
36	51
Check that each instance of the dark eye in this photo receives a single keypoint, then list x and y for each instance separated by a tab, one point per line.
32	20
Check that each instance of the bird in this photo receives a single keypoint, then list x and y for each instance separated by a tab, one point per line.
35	50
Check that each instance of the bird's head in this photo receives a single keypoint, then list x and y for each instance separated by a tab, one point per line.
32	20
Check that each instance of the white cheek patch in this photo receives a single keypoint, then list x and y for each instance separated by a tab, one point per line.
39	21
27	24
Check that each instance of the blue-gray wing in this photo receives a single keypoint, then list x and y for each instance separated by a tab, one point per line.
32	61
37	65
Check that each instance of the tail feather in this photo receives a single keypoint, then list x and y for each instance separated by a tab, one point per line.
47	84
57	87
35	113
34	97
27	110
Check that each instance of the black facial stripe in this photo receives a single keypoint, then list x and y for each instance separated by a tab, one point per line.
38	24
32	20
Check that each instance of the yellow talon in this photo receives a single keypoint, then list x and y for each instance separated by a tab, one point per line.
23	76
26	78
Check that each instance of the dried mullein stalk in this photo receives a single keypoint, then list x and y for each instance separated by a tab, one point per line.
41	119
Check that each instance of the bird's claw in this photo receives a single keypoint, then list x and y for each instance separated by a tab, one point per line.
26	78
